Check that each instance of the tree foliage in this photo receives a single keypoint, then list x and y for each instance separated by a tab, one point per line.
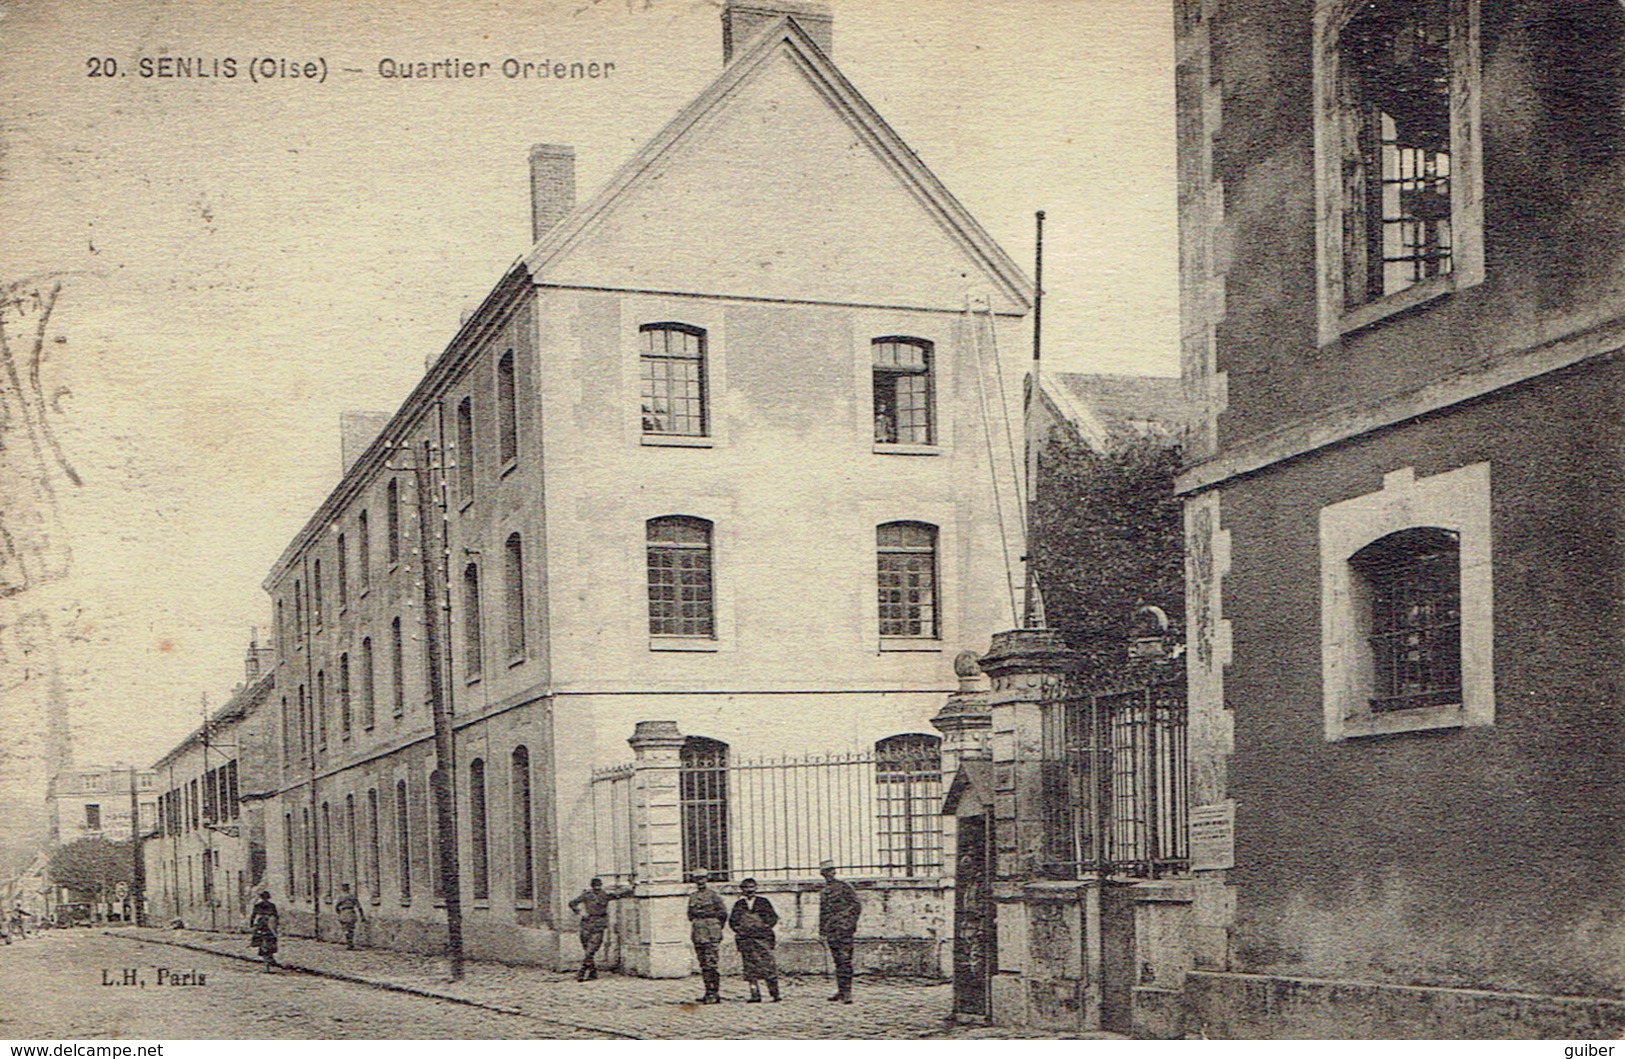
1106	537
88	864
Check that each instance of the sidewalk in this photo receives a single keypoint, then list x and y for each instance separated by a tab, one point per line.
637	1008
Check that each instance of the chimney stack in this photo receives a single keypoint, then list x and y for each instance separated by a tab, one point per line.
357	430
742	20
552	186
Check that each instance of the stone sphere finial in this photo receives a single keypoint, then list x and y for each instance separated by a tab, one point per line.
966	665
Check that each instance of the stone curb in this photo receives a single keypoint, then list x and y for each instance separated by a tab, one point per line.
387	986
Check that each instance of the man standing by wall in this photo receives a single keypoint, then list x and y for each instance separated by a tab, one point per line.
707	913
838	911
594	921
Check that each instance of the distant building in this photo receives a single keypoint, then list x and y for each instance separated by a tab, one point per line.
1403	266
724	474
98	802
205	853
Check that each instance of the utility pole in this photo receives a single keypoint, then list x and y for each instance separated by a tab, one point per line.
211	884
138	867
434	575
1033	605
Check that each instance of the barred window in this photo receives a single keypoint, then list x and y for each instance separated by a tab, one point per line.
472	664
507	411
679	559
902	391
907	559
672	368
1396	147
908	780
1414	581
703	796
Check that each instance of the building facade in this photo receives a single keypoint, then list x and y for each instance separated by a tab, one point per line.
720	471
111	802
1402	313
204	858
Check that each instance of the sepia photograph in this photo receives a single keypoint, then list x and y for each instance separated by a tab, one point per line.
900	520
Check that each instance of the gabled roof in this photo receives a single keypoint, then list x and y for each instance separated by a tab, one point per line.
1012	291
1107	410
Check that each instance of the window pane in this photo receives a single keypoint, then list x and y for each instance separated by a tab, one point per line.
672	373
907	579
679	565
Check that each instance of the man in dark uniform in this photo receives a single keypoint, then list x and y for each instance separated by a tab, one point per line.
349	912
707	913
838	911
593	908
753	920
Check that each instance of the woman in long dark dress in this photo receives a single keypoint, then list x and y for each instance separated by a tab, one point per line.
752	920
262	926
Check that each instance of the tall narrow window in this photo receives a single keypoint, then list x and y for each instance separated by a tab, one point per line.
392	521
353	868
367	705
465	449
397	666
507	417
307	853
288	839
472	664
908	781
513	590
304	724
524	839
679	563
703	799
907	559
281	631
903	391
672	368
375	882
287	733
321	708
1397	90
344	573
363	551
326	853
344	695
1413	581
480	869
403	841
298	614
316	593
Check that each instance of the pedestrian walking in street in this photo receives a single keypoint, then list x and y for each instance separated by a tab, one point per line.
262	926
593	908
19	920
752	920
838	911
707	914
349	913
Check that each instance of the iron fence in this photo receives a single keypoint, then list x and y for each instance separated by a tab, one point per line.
875	814
1116	782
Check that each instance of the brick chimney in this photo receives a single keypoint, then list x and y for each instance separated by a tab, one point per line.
742	20
260	658
552	186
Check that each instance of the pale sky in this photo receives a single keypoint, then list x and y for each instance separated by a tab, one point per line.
246	260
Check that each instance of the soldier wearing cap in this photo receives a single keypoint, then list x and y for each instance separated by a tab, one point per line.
707	913
838	911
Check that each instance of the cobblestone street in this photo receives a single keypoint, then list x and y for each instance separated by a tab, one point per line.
556	1005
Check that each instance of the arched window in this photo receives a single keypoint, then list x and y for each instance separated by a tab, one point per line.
507	417
397	664
465	449
480	869
403	841
321	709
344	695
392	521
375	881
524	838
679	563
367	687
903	391
908	781
703	797
353	868
1413	582
363	551
907	562
316	593
472	663
513	590
298	613
671	365
344	572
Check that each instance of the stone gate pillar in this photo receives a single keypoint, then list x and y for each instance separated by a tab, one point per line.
660	948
